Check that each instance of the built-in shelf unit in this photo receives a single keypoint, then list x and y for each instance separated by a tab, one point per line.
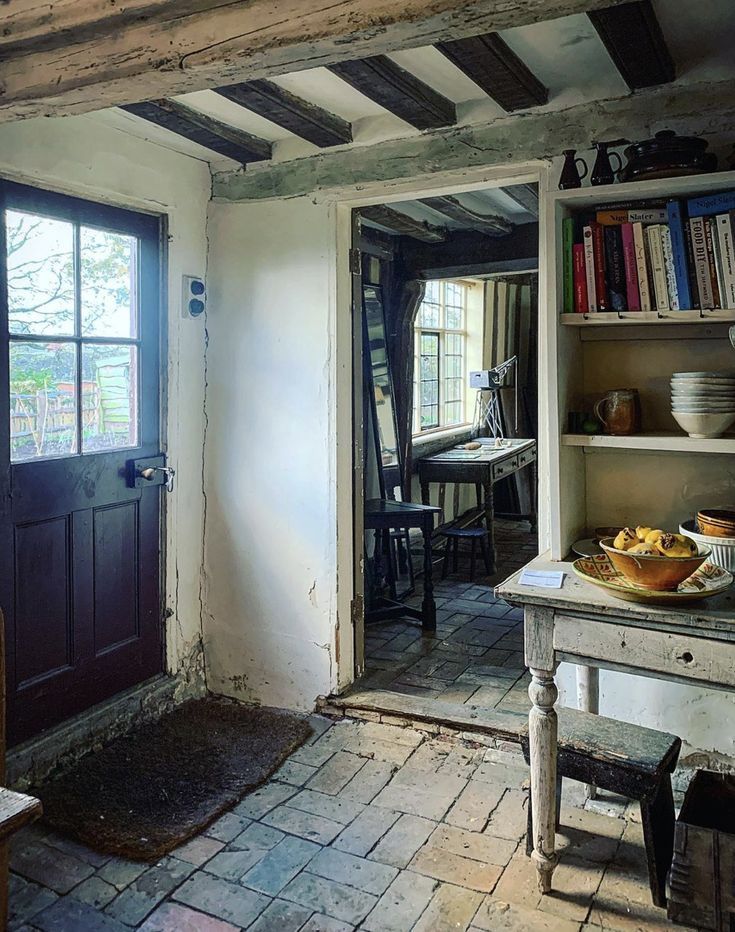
660	476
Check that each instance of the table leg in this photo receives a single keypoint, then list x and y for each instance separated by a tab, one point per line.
487	487
588	700
542	737
425	496
428	606
534	495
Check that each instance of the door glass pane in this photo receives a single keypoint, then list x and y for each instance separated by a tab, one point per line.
109	397
108	266
43	419
40	262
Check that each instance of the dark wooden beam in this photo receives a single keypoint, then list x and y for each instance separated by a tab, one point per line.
402	224
633	37
526	195
496	68
466	253
293	113
489	224
399	91
198	127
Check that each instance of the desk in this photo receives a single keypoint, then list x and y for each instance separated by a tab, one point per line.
483	468
583	624
382	515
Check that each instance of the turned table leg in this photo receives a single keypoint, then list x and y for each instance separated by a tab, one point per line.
428	606
542	738
588	700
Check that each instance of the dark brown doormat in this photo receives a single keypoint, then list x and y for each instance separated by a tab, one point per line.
150	790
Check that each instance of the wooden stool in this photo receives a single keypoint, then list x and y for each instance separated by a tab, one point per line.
627	759
473	534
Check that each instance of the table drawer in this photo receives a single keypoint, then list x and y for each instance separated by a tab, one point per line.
650	651
505	468
526	457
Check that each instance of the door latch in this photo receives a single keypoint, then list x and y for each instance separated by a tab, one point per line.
150	471
150	474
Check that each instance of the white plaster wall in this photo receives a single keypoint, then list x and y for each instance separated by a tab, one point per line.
271	531
83	157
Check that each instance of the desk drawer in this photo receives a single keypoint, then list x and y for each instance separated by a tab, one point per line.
650	651
505	468
526	457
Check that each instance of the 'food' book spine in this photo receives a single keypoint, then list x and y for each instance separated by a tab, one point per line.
701	262
632	292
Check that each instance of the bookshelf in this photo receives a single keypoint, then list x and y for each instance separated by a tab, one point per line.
660	475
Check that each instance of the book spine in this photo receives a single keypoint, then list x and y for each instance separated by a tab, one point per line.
644	287
598	247
711	204
671	286
719	265
589	266
727	254
611	217
631	268
679	251
580	279
711	262
568	240
658	271
615	269
693	287
651	215
701	264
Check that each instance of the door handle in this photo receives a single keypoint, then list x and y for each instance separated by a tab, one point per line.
168	472
151	471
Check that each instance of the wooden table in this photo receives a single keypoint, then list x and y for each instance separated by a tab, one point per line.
383	515
583	624
482	468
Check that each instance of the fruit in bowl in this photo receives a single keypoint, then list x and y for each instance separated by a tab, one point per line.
653	558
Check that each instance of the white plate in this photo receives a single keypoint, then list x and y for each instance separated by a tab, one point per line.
704	375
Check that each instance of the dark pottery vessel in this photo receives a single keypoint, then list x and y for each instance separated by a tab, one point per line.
667	155
602	170
570	176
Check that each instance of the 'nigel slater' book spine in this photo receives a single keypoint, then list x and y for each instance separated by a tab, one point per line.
727	254
711	204
669	267
658	270
641	260
615	269
567	243
701	263
580	279
589	269
632	292
598	247
679	253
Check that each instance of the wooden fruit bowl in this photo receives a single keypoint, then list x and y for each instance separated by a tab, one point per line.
653	571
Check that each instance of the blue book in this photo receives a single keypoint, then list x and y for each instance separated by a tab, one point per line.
711	204
679	251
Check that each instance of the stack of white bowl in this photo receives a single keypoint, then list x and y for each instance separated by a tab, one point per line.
703	403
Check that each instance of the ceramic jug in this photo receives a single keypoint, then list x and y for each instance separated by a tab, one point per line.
602	170
620	412
570	176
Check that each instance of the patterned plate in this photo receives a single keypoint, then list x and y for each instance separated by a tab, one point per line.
708	580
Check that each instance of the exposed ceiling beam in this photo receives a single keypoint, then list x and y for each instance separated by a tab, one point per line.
525	195
396	89
496	68
198	127
402	224
490	224
633	37
472	254
76	57
293	113
705	107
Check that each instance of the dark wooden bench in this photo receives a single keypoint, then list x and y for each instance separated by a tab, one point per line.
627	759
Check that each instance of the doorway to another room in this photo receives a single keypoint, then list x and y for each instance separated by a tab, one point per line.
446	304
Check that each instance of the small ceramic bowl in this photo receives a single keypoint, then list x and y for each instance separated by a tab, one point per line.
653	572
716	522
704	426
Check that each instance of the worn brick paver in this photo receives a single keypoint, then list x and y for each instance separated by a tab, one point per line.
370	826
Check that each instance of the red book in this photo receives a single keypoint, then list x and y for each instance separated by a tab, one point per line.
631	268
580	279
598	248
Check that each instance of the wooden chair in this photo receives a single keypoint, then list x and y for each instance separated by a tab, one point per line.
627	759
16	809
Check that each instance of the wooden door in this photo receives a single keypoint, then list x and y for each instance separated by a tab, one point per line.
80	402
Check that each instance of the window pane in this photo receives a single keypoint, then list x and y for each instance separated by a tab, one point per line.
429	367
453	318
453	389
429	344
453	344
453	412
429	315
429	393
42	400
453	294
429	416
432	293
109	397
453	366
109	283
40	260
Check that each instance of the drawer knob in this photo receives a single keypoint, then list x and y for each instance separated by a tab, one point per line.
686	658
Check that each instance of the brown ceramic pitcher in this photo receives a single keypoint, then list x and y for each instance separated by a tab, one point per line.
620	411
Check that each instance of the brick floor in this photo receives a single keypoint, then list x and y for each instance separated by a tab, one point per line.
477	654
370	826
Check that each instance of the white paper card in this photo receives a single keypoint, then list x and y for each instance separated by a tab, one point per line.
546	580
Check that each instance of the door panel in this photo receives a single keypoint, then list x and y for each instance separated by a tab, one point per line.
79	390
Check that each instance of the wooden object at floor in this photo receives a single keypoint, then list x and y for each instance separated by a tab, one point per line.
627	759
474	535
16	809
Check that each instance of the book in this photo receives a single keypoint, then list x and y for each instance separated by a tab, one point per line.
717	254
725	229
632	292
580	279
631	215
589	269
701	262
614	269
679	254
693	287
711	204
641	259
598	252
567	243
671	285
658	269
711	261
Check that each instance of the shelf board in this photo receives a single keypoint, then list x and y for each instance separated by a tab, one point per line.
653	440
647	189
633	318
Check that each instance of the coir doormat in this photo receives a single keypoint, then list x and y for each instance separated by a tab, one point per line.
150	790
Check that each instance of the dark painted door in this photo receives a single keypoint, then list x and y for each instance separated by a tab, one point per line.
81	569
